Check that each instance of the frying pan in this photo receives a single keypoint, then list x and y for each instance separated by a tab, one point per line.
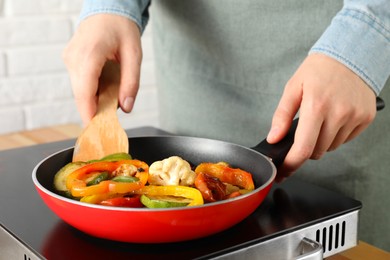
143	225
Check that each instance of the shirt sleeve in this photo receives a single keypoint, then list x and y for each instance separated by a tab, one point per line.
136	10
359	37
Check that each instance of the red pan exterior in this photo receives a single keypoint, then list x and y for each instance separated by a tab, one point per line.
157	226
161	225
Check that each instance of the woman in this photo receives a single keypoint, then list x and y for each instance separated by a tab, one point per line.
231	69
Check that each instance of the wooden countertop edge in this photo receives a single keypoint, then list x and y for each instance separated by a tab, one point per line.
39	136
362	251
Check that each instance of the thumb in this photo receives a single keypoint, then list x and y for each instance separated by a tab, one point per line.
284	114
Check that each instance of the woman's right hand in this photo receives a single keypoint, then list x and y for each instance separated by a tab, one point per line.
100	38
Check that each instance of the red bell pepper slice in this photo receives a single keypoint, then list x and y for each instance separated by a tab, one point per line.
129	202
222	171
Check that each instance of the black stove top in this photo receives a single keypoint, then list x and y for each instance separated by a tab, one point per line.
289	206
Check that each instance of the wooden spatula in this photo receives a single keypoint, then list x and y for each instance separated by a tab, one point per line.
104	134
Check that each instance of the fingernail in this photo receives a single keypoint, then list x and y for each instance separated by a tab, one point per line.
272	133
128	104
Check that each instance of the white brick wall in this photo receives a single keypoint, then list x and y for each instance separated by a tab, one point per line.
35	89
2	64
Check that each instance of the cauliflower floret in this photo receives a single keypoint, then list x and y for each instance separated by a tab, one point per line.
171	171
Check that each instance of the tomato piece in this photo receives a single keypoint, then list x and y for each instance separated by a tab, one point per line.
212	188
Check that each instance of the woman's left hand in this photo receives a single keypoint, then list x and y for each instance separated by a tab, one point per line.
335	105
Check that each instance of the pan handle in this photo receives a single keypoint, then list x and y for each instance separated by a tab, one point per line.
277	152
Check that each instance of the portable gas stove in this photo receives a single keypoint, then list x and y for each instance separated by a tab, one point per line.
297	220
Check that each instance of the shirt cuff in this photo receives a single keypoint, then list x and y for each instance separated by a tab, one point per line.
136	10
361	42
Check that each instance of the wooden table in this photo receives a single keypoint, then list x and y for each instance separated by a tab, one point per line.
39	136
362	251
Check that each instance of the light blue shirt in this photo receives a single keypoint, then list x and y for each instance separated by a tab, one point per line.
358	37
136	10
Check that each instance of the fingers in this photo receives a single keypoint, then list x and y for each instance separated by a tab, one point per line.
306	135
335	106
316	135
86	100
98	39
351	130
284	114
84	81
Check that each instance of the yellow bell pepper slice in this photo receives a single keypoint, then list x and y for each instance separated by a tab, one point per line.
97	198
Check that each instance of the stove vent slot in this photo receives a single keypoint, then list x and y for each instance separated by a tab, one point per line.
331	237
